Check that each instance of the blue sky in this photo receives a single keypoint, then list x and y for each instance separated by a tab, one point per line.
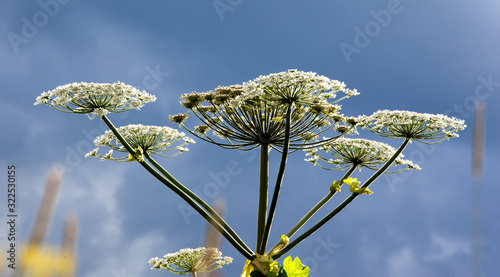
425	56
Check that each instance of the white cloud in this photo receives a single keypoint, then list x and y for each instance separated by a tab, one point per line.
405	263
103	187
94	197
371	252
131	259
444	248
415	257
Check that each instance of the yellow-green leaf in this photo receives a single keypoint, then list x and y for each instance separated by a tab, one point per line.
360	190
295	268
137	155
353	186
335	186
352	182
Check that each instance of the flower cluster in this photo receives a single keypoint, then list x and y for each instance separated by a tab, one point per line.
421	127
95	98
143	138
255	113
293	86
356	153
191	261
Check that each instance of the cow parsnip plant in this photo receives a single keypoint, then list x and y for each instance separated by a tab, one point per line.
284	112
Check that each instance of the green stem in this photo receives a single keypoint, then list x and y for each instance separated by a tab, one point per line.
118	135
263	190
190	201
387	164
279	180
316	207
200	201
343	204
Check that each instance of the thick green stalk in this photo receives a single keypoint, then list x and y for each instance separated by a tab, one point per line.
200	201
279	180
263	191
118	135
343	204
189	200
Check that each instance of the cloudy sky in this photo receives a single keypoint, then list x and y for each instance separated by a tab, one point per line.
425	56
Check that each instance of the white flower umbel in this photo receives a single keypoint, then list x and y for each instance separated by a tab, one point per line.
95	98
422	127
190	260
143	138
257	121
293	86
348	153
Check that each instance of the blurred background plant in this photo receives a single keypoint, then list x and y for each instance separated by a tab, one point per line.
38	259
478	142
